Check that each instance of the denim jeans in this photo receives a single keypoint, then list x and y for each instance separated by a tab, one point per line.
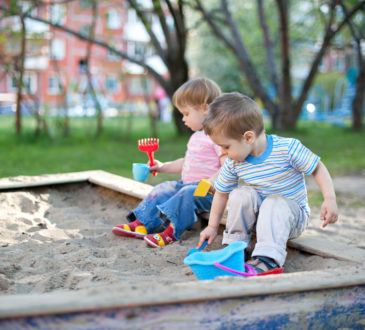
171	202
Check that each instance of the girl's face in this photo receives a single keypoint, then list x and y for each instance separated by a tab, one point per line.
237	150
193	117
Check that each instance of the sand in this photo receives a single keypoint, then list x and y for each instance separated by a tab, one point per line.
59	238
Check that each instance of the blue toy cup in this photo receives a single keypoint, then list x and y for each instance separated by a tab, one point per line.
228	261
140	172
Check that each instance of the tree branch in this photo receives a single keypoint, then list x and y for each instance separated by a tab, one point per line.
158	10
268	46
148	26
285	90
246	63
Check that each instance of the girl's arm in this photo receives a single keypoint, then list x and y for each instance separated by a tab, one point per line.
212	179
218	206
172	167
329	210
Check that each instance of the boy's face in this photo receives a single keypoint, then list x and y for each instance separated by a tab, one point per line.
237	150
193	117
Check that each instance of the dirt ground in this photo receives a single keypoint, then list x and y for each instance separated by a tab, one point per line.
59	238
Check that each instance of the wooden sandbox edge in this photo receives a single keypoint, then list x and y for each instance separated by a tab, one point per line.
113	297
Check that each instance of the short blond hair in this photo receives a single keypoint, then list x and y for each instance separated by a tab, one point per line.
233	114
196	92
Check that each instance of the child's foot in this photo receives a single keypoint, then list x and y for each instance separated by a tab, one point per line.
264	265
161	239
134	229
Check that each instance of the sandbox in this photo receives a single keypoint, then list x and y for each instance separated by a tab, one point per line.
59	261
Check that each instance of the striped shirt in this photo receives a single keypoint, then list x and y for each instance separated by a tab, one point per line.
279	170
201	159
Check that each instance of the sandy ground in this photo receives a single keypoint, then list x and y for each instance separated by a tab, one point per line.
59	238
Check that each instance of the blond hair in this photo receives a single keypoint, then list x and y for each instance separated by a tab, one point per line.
196	92
233	114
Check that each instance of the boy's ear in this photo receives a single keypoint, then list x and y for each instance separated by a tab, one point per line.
205	108
249	136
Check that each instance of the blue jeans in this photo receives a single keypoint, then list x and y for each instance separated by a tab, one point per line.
171	202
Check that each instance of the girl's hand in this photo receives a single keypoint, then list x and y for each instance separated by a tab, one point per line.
158	166
329	211
209	233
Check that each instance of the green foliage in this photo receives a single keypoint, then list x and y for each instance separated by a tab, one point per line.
115	150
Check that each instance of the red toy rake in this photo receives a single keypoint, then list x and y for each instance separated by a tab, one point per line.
149	146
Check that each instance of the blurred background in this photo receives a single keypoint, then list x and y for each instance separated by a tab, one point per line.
82	80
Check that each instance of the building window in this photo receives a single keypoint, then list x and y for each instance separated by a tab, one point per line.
54	85
85	30
139	86
86	3
58	13
29	83
13	84
113	21
58	49
29	7
340	63
111	56
132	16
83	66
111	84
139	49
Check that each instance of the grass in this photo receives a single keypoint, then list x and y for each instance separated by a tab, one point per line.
115	150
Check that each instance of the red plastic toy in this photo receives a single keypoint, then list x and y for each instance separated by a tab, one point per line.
149	146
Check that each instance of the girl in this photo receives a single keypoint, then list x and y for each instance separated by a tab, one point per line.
162	217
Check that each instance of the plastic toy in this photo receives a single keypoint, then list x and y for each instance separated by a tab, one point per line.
202	247
228	261
202	263
149	146
140	172
203	188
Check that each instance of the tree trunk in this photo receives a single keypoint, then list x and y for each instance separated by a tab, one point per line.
285	84
358	102
179	76
18	112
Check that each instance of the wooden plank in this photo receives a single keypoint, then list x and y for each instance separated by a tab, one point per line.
123	296
326	248
323	309
43	180
121	184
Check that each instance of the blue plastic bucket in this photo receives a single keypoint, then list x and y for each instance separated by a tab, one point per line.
203	263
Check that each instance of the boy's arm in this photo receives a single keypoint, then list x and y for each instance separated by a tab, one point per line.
172	167
216	213
329	210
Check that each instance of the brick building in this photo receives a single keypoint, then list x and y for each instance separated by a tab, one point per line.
56	64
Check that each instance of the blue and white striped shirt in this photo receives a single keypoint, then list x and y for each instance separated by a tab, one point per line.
279	170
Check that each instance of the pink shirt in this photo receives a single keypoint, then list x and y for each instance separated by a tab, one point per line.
201	158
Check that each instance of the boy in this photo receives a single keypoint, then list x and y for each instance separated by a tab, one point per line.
273	196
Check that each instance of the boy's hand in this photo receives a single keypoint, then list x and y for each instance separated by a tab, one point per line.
157	167
209	233
329	211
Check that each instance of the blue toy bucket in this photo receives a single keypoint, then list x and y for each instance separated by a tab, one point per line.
209	265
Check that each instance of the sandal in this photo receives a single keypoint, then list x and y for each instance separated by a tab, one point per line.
134	229
265	266
161	239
